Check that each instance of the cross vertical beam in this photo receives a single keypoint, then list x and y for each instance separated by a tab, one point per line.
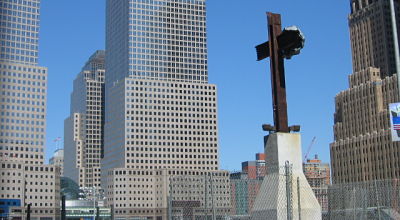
277	74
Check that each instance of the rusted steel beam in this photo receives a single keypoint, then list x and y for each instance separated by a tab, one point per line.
277	74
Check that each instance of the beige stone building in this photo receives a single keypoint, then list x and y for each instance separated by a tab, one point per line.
371	35
160	113
38	185
362	149
24	179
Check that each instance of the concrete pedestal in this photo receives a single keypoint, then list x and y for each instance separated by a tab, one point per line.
280	196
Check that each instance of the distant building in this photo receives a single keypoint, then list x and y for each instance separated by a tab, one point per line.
246	184
58	160
83	129
319	178
255	169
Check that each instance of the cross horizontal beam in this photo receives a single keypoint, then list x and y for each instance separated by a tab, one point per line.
262	51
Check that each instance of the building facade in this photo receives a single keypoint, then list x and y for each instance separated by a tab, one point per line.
362	149
58	160
255	169
160	111
85	209
318	175
83	129
371	35
246	184
24	179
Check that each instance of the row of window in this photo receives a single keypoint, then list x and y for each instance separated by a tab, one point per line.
27	149
21	68
156	4
19	4
24	82
20	115
26	142
22	108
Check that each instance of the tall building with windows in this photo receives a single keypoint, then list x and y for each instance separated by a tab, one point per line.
83	129
371	35
24	178
362	149
318	175
160	111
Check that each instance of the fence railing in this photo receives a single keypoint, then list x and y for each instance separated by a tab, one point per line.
378	200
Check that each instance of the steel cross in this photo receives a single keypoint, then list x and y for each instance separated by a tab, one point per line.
272	49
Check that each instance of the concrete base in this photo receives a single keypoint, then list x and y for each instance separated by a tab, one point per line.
272	200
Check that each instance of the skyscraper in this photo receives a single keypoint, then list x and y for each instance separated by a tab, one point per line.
362	149
24	179
371	35
160	111
83	129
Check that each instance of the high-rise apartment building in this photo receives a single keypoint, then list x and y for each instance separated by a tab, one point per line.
83	129
362	149
160	111
318	175
24	179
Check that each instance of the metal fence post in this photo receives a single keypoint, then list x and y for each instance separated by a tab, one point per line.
377	200
354	203
205	197
288	174
298	197
170	199
212	197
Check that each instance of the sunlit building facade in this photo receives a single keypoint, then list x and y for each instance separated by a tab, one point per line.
160	111
363	150
24	179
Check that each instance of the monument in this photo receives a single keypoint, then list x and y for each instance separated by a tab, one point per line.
285	193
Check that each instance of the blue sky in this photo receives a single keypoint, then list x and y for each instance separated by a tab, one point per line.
71	30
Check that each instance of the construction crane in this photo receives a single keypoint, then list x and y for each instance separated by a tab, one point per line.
309	148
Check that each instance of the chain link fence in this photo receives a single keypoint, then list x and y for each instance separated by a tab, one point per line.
378	200
199	197
243	195
285	194
217	197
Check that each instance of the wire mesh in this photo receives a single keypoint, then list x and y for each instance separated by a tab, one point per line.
377	199
199	197
243	195
282	194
